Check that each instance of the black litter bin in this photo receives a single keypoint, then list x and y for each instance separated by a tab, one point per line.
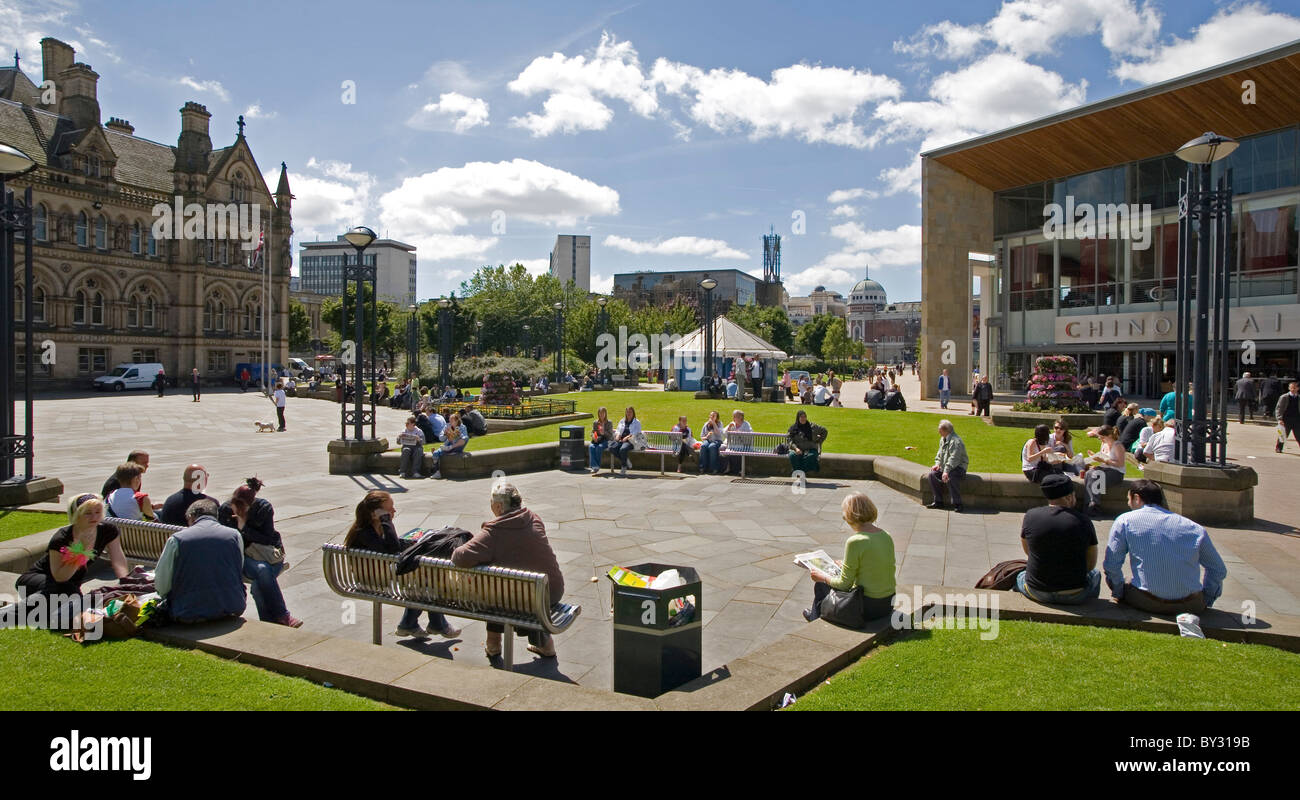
656	651
573	446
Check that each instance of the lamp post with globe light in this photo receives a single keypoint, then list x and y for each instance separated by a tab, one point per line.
15	223
360	238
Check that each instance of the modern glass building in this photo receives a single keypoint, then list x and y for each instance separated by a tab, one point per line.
1106	293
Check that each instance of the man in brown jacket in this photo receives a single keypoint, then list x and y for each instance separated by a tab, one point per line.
515	538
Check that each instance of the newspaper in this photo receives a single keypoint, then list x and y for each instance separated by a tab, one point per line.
820	561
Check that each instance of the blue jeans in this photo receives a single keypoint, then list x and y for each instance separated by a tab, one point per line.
1090	592
595	450
944	396
709	460
445	451
411	619
266	589
620	451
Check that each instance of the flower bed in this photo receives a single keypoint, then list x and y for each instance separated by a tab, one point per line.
1052	386
499	389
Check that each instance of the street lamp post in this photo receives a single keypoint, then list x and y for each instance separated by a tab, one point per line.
360	238
528	345
413	342
708	285
444	342
15	219
478	337
559	341
603	314
1200	211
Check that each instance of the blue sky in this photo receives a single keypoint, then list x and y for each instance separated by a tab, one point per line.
674	133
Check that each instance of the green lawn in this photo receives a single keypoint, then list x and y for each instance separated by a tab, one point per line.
852	430
21	523
46	672
1040	666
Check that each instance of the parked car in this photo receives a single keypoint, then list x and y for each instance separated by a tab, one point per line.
129	376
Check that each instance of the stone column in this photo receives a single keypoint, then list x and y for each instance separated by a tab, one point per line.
956	219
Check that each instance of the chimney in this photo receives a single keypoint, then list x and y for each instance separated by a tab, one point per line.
120	125
78	101
194	144
55	58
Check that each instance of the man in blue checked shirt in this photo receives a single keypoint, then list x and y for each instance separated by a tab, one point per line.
1167	552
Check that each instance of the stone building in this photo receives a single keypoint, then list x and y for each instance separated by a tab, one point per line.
106	288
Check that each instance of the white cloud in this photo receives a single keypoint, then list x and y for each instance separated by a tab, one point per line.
844	211
833	278
452	75
1036	27
677	246
861	248
811	103
329	198
845	195
992	93
602	284
213	87
453	111
535	266
97	48
576	84
1230	34
905	178
255	112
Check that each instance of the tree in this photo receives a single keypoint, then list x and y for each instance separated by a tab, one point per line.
389	337
811	334
836	344
299	327
507	298
779	331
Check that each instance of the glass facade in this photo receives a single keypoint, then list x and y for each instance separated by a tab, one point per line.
1040	279
324	274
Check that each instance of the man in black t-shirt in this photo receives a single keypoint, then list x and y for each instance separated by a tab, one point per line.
174	508
1061	544
134	457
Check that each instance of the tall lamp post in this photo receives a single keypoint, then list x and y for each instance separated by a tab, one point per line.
360	238
1201	210
708	285
444	342
15	220
413	342
478	337
559	341
528	345
603	316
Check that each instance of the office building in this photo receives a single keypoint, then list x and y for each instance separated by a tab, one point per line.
668	288
571	260
1106	295
320	268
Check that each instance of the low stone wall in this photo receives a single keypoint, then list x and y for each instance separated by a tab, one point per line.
1032	419
1209	495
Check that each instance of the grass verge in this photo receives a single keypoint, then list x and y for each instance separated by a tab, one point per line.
1042	666
46	672
14	524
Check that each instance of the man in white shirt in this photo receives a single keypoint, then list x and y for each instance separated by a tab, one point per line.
821	395
280	399
1160	447
756	378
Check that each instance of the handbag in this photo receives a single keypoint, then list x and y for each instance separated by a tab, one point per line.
1003	575
264	552
844	608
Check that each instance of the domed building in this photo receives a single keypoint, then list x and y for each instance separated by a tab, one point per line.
889	331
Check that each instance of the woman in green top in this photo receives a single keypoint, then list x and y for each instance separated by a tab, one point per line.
868	562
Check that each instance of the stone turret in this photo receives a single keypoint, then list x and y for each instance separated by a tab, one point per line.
194	145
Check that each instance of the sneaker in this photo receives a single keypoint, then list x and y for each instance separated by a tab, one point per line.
595	470
436	474
448	631
291	621
417	632
624	471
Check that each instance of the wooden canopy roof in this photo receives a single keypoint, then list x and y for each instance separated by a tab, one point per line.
1152	121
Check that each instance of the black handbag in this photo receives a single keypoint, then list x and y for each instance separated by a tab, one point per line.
844	608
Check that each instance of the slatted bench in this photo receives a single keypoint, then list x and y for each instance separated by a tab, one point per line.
752	444
665	443
510	597
144	541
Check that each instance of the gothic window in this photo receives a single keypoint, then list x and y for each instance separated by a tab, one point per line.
39	222
135	238
82	235
151	242
101	233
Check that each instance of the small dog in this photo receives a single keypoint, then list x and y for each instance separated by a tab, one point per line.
265	427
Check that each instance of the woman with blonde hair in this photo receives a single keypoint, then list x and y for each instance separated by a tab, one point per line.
73	548
602	436
372	529
868	562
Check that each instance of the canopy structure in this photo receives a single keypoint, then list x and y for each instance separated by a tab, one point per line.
729	340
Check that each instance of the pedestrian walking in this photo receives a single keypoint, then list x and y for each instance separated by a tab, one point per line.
1245	397
1288	416
195	382
945	389
279	399
160	382
244	378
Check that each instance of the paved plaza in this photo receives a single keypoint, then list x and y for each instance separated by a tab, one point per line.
739	535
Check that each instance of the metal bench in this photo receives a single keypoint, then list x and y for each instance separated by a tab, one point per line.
143	541
752	444
665	443
510	597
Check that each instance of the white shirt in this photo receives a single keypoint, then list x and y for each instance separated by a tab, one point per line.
1025	464
279	398
624	428
1161	445
755	369
124	505
820	394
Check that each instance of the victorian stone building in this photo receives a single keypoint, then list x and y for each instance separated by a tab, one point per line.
106	289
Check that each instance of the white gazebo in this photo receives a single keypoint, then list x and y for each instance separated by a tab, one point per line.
729	341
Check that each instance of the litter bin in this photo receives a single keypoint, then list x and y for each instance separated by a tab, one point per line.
573	446
655	650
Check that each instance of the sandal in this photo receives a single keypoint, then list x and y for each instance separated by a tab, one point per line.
532	648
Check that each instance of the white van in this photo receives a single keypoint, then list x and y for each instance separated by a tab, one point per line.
299	369
129	376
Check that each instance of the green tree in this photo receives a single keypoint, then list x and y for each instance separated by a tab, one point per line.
808	340
390	337
836	344
299	327
779	331
507	298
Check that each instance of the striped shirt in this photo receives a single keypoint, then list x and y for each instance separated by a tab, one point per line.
1166	554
